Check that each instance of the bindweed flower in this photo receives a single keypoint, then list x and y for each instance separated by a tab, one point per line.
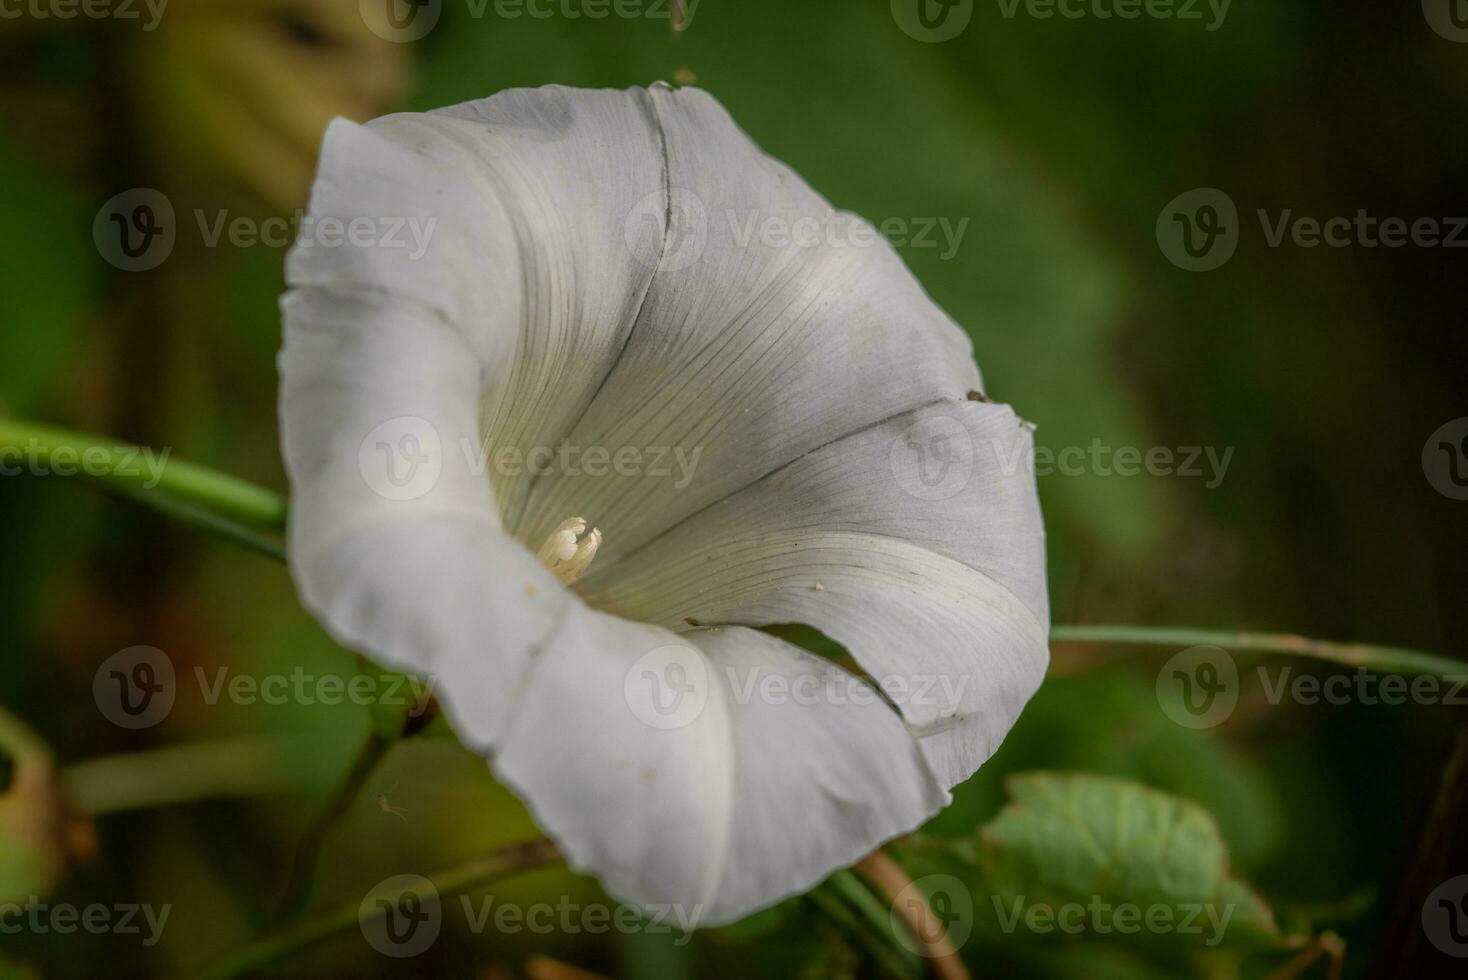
482	443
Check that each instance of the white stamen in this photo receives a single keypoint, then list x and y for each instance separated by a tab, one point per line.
564	555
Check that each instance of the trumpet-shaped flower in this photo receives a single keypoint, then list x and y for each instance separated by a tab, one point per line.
579	390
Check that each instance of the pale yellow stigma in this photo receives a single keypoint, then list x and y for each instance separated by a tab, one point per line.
565	555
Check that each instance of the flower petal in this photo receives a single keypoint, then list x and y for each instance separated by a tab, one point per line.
937	588
513	236
667	766
774	325
400	352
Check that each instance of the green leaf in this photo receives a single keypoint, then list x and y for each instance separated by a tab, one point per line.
1082	840
1107	722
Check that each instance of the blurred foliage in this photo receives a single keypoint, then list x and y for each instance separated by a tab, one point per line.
1059	142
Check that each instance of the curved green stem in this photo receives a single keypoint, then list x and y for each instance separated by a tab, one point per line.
26	447
1378	658
474	873
303	867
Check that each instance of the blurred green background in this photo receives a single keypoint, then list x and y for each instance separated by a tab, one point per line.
1059	141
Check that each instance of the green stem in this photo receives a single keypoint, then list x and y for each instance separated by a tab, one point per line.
239	510
833	898
233	767
475	873
303	868
1395	660
42	449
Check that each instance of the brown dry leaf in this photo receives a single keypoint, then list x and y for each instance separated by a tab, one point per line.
41	835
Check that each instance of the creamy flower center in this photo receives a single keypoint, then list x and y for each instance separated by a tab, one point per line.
566	553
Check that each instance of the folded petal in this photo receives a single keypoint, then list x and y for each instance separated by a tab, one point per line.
916	543
716	772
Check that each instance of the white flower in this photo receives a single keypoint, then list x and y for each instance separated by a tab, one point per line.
603	274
